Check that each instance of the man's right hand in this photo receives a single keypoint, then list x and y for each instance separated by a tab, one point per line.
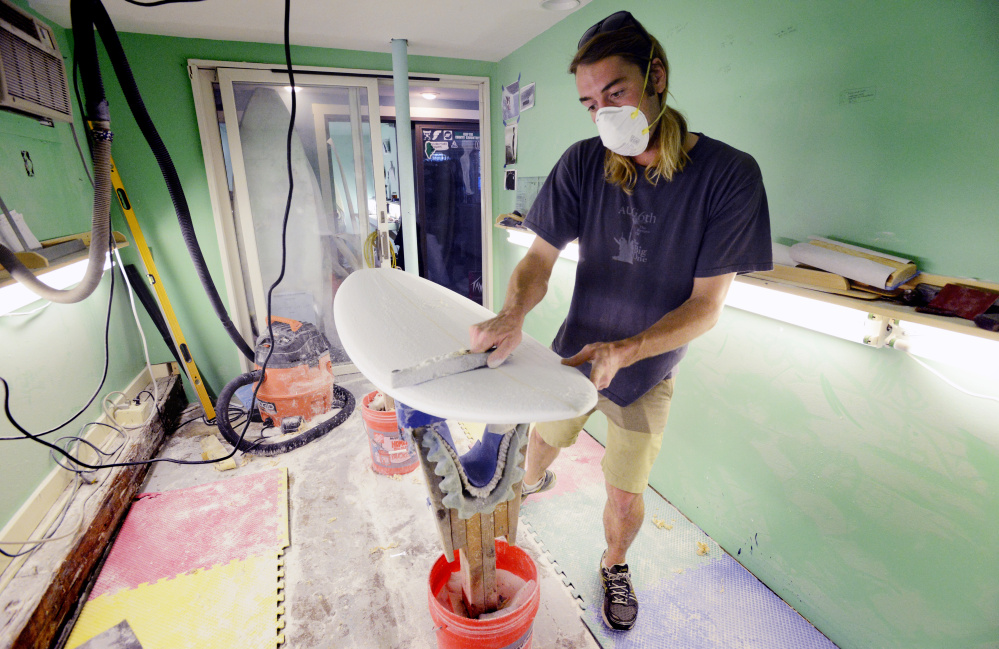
504	332
528	285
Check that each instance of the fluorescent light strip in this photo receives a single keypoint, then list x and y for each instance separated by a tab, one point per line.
824	317
964	351
525	239
15	296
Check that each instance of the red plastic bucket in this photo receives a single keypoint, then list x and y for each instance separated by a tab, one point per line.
392	450
514	630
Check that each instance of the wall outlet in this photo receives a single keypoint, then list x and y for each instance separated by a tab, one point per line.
133	415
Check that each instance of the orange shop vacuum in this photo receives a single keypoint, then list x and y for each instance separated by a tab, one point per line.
298	386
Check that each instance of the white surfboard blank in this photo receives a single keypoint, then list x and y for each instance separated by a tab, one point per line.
388	319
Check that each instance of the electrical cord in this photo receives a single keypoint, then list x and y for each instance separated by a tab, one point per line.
78	481
72	128
28	435
53	447
262	446
15	314
952	384
142	336
47	538
239	414
81	439
158	3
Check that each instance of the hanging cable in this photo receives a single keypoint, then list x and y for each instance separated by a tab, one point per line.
126	80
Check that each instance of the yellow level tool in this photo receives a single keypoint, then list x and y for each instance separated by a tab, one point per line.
147	258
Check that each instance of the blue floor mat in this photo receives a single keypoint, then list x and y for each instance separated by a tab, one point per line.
691	593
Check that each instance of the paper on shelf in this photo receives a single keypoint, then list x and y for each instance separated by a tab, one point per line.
859	264
782	254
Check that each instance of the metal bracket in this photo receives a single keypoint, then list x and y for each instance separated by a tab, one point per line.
878	330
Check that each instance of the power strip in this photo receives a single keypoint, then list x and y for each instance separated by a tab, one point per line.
133	414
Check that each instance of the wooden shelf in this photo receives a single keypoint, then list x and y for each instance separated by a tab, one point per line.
39	265
883	307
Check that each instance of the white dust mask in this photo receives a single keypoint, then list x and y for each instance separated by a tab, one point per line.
625	129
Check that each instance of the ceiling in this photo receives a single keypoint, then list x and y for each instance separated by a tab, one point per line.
485	30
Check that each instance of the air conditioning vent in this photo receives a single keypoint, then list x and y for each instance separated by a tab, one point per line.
18	20
32	72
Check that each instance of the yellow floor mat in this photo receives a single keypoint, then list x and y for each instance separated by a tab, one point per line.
233	606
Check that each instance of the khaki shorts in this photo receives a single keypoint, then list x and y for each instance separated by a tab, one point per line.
634	436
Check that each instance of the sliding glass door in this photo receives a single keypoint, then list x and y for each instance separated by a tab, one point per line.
336	200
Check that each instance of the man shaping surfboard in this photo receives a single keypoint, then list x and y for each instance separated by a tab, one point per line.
665	219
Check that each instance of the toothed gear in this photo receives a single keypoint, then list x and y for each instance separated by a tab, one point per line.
464	497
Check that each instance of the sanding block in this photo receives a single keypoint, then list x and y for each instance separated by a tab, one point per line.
437	367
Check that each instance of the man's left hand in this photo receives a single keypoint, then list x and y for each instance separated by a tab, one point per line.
605	360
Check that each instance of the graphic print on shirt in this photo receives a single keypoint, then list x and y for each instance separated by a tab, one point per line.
629	248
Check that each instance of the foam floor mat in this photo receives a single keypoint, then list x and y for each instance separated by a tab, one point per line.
197	567
232	606
691	593
175	532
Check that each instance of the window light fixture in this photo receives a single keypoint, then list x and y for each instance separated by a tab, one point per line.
15	296
429	96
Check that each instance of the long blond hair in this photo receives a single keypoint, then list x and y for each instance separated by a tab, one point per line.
632	43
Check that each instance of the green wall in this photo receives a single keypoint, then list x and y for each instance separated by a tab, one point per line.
857	485
54	359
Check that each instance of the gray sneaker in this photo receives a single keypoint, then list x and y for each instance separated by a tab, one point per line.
547	482
620	603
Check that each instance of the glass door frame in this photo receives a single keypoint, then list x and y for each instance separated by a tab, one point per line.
203	75
229	76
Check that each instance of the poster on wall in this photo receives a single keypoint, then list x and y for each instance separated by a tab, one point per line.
527	97
510	142
511	180
511	101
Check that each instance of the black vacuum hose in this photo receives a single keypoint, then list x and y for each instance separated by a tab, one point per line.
127	82
275	448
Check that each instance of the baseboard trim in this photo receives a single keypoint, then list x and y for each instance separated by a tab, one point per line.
38	591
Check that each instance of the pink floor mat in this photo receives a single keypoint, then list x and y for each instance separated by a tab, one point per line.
174	532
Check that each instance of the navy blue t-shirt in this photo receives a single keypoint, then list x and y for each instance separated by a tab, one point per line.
639	253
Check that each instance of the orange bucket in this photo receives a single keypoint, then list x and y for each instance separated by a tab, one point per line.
392	450
515	630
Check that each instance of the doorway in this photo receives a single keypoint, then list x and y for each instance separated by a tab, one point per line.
448	177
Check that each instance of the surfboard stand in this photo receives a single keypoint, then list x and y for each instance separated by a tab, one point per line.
475	497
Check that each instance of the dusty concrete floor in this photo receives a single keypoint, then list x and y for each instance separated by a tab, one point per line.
362	544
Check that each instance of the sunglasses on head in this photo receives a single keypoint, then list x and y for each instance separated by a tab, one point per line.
610	23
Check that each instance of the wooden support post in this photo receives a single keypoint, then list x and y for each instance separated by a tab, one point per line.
490	596
501	522
513	509
472	579
457	530
442	515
